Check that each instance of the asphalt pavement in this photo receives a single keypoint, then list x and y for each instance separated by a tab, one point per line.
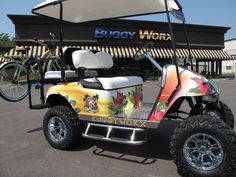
24	152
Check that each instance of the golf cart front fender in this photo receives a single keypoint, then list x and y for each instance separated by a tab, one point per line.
191	85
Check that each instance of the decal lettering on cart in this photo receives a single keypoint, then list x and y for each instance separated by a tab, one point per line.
151	35
101	33
120	121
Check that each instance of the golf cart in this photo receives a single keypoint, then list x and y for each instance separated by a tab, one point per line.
82	105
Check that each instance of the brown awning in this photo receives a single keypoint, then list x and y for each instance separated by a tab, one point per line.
129	52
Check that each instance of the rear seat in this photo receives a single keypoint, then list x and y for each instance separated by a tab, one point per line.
67	52
57	74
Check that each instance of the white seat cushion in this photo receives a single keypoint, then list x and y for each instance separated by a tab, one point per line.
84	59
57	74
89	60
117	82
104	60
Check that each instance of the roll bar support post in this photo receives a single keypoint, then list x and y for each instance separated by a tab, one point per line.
174	58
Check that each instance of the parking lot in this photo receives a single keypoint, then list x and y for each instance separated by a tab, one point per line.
24	152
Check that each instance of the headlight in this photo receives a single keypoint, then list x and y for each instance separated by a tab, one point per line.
214	92
213	89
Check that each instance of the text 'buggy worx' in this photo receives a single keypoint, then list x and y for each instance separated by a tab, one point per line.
202	145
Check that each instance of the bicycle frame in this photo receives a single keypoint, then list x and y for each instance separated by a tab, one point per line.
18	77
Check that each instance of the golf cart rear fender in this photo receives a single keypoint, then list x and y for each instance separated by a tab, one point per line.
57	99
192	85
60	95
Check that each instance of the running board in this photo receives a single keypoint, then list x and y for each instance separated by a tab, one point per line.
108	137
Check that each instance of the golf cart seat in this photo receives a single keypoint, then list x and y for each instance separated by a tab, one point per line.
100	60
67	52
71	73
112	83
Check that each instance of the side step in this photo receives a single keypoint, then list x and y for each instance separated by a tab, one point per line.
108	134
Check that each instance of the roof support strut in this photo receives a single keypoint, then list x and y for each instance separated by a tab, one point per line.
188	45
60	2
174	58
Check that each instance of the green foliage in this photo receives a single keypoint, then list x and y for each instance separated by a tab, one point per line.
77	110
73	102
163	107
195	90
6	40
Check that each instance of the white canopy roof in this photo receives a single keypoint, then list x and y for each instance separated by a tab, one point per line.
77	11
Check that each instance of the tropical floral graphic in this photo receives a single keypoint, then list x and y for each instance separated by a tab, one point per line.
137	97
159	113
73	104
118	103
201	87
91	104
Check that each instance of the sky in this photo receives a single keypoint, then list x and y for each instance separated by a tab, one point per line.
202	12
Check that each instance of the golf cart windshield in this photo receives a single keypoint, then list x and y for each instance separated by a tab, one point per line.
78	11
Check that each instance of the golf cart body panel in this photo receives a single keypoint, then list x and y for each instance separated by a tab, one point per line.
96	102
76	11
192	85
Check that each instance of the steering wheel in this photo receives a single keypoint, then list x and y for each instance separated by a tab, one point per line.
140	54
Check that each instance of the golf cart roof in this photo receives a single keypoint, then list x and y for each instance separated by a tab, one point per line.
78	11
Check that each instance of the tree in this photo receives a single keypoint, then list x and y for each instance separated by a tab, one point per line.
6	40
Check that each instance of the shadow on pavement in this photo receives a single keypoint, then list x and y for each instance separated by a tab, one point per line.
35	130
157	146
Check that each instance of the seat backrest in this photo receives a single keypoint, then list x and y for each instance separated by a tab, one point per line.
89	60
104	60
67	51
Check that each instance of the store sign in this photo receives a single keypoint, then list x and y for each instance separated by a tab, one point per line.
101	33
152	35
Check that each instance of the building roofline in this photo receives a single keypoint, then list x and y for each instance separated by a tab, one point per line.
17	19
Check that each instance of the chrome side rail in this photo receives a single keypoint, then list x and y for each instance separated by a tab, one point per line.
129	140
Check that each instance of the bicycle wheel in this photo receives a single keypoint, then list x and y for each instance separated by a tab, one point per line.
13	81
53	65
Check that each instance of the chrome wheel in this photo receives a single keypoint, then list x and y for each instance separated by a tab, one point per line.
57	129
203	152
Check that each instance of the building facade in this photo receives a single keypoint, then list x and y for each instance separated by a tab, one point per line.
229	66
122	38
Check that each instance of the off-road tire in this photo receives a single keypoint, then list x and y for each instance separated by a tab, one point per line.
72	123
214	127
223	111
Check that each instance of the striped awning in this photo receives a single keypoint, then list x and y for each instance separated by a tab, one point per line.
129	52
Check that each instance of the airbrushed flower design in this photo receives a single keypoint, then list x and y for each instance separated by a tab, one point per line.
201	86
159	113
118	103
137	97
73	103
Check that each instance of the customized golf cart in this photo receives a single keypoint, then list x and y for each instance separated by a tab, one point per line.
83	104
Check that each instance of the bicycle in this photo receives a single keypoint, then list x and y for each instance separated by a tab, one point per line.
13	73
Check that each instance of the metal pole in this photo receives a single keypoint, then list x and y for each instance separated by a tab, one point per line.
174	59
188	44
61	43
